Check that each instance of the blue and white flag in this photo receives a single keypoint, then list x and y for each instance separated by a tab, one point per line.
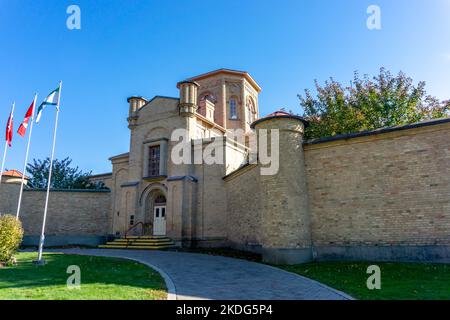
52	100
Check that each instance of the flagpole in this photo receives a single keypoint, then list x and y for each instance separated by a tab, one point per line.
6	143
42	238
26	158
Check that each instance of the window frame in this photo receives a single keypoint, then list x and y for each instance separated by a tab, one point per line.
234	116
163	145
154	164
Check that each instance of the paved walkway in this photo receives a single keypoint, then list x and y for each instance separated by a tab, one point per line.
200	276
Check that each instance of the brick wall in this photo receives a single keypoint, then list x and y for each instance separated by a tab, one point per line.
390	189
70	213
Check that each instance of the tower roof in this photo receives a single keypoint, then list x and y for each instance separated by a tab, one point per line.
13	173
280	114
245	74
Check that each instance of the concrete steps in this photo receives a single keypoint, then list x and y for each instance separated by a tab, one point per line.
140	243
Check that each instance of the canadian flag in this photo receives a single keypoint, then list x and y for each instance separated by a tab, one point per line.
9	129
24	125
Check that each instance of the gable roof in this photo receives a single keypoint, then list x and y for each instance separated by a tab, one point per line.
156	98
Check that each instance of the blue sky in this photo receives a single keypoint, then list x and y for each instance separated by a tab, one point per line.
131	47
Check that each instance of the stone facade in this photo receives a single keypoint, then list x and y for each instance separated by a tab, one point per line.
195	204
381	195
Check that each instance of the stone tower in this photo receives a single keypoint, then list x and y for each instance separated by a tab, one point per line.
285	219
232	95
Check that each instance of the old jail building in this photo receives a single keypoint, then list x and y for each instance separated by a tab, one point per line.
378	195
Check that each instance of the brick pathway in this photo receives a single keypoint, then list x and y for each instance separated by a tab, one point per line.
199	276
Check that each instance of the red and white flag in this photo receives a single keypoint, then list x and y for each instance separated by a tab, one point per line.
9	129
24	125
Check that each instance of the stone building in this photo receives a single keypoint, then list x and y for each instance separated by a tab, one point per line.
13	176
186	202
374	195
329	198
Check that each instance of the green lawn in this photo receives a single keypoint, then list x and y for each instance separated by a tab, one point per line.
101	278
399	281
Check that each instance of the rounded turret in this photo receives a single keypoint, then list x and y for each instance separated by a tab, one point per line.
188	97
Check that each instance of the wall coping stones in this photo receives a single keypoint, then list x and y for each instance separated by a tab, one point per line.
69	190
101	175
379	131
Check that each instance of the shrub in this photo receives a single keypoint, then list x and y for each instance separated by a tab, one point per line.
11	234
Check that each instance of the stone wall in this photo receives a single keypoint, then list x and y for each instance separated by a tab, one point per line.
244	206
270	211
74	217
382	196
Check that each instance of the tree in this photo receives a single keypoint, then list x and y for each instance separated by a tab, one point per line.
11	234
63	175
368	104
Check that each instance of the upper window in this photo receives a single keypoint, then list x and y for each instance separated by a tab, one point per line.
153	161
233	109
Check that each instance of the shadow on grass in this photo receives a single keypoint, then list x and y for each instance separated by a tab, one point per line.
112	273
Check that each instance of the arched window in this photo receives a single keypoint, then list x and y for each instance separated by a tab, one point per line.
233	109
160	199
251	110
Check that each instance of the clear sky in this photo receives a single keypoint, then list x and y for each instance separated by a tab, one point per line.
143	47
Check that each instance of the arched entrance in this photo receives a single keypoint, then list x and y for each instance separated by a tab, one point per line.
154	211
159	215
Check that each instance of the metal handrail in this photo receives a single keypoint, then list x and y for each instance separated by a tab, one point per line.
139	223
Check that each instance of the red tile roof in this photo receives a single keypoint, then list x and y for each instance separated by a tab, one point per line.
279	113
13	173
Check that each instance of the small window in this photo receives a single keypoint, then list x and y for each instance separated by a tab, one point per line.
163	212
153	161
233	109
131	220
160	200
